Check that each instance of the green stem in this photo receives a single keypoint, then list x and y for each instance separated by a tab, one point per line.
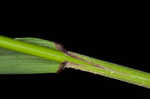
80	62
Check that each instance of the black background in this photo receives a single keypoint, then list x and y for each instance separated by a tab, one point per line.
112	33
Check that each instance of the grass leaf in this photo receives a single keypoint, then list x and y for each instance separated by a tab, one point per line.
12	62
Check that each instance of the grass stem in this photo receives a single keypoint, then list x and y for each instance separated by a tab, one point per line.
80	62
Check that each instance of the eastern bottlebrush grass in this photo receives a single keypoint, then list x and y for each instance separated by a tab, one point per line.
35	56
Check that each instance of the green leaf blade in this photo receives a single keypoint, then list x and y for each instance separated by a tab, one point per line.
12	62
